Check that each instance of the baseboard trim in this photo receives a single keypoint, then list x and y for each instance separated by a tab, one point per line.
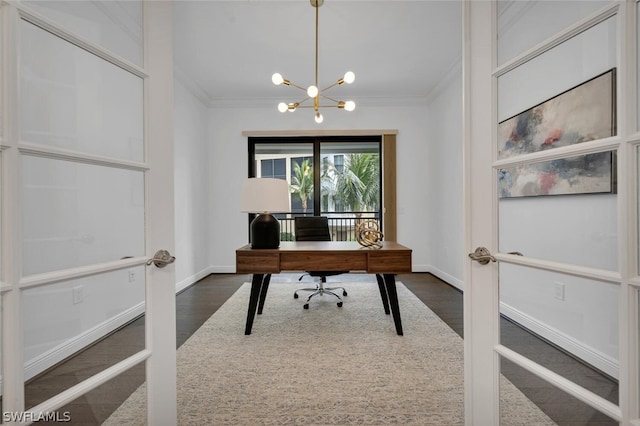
602	362
189	281
223	269
449	279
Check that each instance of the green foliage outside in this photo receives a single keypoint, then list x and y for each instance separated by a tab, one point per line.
356	187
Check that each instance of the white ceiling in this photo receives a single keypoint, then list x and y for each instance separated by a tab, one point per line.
399	50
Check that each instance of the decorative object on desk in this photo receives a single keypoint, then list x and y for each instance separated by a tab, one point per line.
584	113
313	91
265	196
368	234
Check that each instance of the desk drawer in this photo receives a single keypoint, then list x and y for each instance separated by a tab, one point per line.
389	262
257	262
323	261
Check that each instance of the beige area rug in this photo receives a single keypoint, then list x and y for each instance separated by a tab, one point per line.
324	366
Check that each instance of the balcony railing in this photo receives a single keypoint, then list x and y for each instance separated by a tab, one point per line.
341	225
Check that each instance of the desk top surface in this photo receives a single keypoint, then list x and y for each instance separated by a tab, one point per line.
327	246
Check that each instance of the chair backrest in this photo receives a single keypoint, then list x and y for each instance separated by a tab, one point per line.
312	228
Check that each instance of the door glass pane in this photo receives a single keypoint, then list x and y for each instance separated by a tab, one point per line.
564	323
113	25
77	214
350	186
524	24
75	100
546	404
566	66
579	229
97	407
68	319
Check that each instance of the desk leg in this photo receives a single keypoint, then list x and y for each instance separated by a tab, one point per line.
263	292
390	282
383	293
256	286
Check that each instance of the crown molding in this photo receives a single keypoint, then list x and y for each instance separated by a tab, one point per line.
454	72
191	85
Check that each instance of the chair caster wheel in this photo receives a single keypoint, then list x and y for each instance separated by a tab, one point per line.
295	295
339	304
306	306
344	292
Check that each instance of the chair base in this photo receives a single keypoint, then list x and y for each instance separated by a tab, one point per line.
321	290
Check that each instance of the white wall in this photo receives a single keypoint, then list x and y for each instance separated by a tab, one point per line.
229	157
192	187
443	195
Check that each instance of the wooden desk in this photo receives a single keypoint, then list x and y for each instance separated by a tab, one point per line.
385	262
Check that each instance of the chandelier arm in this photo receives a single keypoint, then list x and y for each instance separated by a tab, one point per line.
319	106
329	87
329	98
297	86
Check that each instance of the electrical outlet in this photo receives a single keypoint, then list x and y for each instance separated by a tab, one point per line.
132	276
78	294
558	290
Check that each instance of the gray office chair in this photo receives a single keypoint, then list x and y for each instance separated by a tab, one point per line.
316	228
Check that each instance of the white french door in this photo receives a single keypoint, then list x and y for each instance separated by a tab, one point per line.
559	222
86	142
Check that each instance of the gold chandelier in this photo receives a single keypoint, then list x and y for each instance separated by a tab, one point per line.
312	91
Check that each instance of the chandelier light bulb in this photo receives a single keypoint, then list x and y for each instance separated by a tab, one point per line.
349	105
349	77
277	79
282	107
312	91
319	118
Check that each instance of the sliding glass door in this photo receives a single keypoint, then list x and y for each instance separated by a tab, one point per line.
347	171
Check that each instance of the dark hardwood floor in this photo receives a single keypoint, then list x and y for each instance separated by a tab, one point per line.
196	304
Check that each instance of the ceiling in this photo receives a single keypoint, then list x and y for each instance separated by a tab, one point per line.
399	50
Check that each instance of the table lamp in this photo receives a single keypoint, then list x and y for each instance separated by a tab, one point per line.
265	196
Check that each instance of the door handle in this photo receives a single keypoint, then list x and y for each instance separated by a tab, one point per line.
161	259
482	255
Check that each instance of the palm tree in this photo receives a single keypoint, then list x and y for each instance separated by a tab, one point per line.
302	182
358	186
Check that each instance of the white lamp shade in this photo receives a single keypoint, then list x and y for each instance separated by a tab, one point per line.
265	195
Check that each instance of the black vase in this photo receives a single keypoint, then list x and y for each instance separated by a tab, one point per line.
265	232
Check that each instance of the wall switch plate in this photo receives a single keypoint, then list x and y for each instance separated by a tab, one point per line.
558	290
132	276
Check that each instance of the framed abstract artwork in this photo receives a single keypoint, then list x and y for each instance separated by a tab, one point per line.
583	113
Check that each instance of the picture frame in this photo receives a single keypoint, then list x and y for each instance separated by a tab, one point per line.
583	113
